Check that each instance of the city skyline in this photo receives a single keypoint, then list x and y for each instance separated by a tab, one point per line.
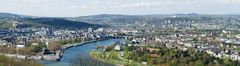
74	8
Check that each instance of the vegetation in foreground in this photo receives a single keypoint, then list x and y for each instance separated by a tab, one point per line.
112	56
161	56
84	61
6	61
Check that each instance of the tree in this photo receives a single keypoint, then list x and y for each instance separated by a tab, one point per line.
198	63
24	51
54	47
6	61
37	49
174	63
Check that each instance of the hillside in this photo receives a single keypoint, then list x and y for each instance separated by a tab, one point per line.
45	22
149	19
108	19
22	21
8	15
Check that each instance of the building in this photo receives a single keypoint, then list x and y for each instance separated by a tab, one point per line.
117	47
90	30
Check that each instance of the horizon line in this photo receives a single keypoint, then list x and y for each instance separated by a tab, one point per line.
226	14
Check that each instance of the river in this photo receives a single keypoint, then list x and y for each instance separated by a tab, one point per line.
79	55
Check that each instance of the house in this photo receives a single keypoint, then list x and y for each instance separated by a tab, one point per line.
3	43
145	63
34	44
189	44
20	46
117	47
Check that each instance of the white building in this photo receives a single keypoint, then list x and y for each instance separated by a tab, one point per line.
20	46
117	47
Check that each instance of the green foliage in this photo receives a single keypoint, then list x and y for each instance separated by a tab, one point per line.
6	61
38	48
70	41
57	23
108	48
163	56
6	25
113	58
177	57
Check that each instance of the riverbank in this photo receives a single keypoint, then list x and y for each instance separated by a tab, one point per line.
64	47
67	46
58	55
80	55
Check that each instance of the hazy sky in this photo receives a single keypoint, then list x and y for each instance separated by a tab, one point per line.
68	8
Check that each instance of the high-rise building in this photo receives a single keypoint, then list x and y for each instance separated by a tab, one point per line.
49	31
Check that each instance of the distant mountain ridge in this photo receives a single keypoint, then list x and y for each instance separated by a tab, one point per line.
22	21
10	15
47	22
118	19
154	19
3	14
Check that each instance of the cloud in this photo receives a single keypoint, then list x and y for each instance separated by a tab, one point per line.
140	4
229	1
86	7
96	2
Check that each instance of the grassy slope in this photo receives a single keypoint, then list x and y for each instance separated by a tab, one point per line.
113	57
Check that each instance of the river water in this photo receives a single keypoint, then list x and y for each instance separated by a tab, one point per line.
79	55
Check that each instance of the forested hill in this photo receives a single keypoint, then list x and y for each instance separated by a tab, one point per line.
8	15
7	22
154	19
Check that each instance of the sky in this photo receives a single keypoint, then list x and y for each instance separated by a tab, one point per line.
73	8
